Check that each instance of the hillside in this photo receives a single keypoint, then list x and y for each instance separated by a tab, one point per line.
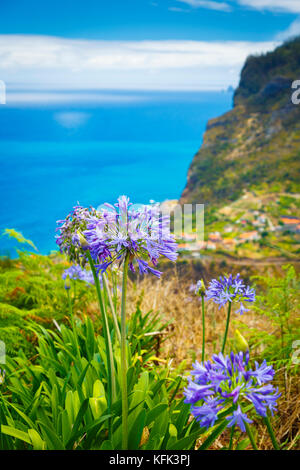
256	145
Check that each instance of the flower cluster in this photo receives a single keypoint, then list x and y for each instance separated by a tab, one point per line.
115	231
230	289
77	272
70	240
227	381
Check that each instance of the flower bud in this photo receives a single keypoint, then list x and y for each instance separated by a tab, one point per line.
67	283
82	240
240	342
200	288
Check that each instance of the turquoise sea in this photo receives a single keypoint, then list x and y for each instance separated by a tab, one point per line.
54	155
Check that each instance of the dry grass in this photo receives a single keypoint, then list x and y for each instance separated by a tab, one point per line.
171	296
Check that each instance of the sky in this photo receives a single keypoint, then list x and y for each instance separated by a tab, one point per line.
50	48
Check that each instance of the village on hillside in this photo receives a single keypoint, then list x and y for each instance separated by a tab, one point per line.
269	221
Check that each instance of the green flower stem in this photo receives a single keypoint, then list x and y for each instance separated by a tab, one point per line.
232	431
73	322
231	438
113	311
271	433
107	338
227	326
250	435
115	289
74	292
124	364
70	305
203	329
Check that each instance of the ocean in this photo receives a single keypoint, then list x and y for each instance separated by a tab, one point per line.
91	148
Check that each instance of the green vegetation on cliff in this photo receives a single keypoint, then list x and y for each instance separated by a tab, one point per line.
257	143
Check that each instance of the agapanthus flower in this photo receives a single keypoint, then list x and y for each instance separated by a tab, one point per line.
112	232
238	418
229	381
70	239
77	272
230	289
198	288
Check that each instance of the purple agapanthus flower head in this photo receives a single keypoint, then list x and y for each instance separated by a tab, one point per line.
69	238
76	272
229	382
230	289
112	232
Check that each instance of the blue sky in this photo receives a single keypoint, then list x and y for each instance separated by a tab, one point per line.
136	44
143	19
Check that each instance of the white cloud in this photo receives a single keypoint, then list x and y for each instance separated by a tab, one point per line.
291	6
292	31
35	98
49	63
178	10
211	5
284	6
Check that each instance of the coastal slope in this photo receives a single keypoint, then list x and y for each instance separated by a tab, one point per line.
256	145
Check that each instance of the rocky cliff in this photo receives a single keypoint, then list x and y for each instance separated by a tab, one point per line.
257	143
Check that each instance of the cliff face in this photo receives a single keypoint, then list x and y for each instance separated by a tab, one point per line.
257	143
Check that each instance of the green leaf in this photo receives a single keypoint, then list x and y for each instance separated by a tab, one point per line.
136	431
52	439
66	428
243	444
160	425
183	416
90	339
12	233
98	406
98	401
107	445
78	421
155	412
185	442
92	430
23	415
172	430
213	436
82	376
23	436
70	406
36	440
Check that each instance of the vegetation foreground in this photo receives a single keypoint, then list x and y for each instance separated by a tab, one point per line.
210	365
